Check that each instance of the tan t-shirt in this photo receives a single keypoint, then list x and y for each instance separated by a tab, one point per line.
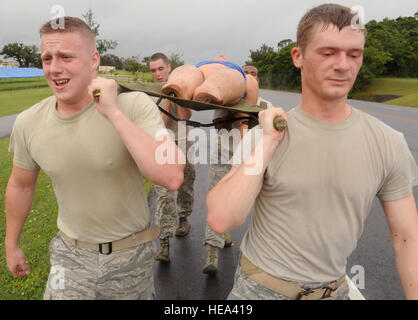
317	192
172	124
99	189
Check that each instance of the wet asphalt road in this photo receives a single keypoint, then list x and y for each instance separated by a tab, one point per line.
183	279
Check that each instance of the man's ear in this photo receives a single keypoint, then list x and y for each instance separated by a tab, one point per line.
95	60
297	57
169	68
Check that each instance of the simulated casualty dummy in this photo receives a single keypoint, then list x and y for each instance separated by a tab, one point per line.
222	82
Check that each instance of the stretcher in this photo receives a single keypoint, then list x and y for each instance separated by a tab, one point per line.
154	89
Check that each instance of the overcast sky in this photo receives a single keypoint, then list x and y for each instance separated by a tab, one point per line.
197	29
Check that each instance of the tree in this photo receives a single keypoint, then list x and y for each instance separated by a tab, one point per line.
145	62
175	60
262	60
284	43
111	60
101	44
132	64
26	56
105	45
391	50
89	19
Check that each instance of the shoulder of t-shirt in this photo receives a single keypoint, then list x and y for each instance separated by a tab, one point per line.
379	126
37	110
128	102
129	98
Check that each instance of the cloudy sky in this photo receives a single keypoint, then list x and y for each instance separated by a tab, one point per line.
196	29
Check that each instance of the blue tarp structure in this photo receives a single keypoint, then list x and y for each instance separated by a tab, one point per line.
7	73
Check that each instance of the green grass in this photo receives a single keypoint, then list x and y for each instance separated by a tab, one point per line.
405	87
410	100
16	95
398	86
141	76
22	83
40	228
16	101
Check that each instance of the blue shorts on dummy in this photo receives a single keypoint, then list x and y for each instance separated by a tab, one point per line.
226	63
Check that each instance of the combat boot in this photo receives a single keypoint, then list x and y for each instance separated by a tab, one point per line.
211	266
183	227
164	253
228	240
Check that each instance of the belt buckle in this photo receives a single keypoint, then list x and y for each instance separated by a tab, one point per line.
329	290
109	251
304	293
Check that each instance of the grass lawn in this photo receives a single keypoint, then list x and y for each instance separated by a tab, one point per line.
22	83
40	228
140	76
406	88
410	100
16	101
16	95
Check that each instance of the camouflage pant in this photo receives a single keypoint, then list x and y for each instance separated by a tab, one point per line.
247	289
82	274
217	170
166	213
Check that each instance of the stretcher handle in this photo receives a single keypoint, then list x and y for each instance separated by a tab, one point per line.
279	123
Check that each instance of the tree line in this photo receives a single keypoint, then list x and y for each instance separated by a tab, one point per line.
391	50
29	56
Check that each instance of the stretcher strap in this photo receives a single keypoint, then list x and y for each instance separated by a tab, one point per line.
198	124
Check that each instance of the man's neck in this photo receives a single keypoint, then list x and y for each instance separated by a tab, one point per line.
68	109
326	110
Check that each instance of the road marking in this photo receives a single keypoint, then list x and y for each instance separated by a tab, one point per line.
389	115
354	293
390	108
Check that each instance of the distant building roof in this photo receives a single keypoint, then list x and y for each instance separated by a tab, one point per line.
9	64
6	73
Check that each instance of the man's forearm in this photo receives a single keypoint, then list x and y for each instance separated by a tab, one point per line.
18	204
231	200
166	107
407	264
183	113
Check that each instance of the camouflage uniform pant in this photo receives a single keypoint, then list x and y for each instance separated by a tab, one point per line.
166	213
82	274
247	289
217	170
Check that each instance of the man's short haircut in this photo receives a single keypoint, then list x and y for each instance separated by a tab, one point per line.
71	24
159	55
324	14
249	65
